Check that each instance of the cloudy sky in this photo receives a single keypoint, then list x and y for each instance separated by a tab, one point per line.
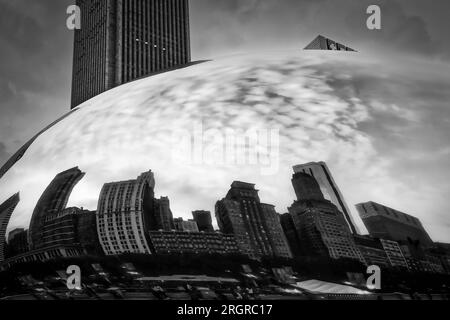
36	60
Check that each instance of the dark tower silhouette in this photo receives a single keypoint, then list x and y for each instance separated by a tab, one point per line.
123	40
306	187
204	220
316	226
256	225
53	200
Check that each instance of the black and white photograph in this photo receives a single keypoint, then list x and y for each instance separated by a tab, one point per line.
238	151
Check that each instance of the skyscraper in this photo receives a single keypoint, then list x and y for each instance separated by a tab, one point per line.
124	214
123	40
329	188
185	226
6	210
161	217
256	225
322	43
17	242
52	201
387	223
204	220
320	226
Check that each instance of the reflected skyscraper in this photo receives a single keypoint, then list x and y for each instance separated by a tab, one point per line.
256	225
390	224
127	211
52	202
329	188
6	210
204	220
321	227
17	242
161	217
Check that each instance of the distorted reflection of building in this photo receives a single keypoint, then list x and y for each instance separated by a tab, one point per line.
17	242
51	203
127	211
394	253
187	226
204	220
161	217
372	250
293	239
6	210
390	224
56	231
321	227
329	189
387	223
72	226
182	242
441	251
59	228
255	225
123	214
86	232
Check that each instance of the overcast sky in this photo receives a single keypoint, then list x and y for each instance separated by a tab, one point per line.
36	60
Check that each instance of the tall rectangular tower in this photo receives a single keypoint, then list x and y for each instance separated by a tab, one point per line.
329	188
256	225
123	40
124	214
321	227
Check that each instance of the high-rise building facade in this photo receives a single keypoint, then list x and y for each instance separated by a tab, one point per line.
123	215
52	202
6	210
71	227
17	242
256	225
320	226
442	252
287	223
161	217
86	231
372	250
394	253
387	223
204	220
123	40
59	228
329	188
185	226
